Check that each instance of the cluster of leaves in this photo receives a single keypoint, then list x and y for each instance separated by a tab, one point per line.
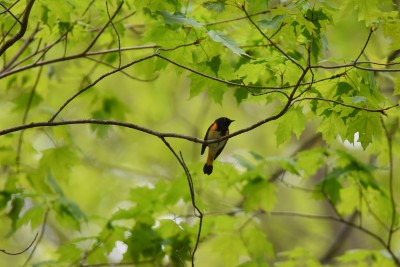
323	70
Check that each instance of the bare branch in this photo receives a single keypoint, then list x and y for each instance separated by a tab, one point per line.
23	48
46	216
116	32
389	138
96	81
20	252
25	116
21	32
123	72
197	211
9	8
104	27
382	110
242	7
365	44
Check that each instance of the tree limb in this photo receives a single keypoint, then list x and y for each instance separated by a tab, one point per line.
21	32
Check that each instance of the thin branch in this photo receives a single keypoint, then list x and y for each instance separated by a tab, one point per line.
25	117
21	32
236	19
9	8
242	7
389	138
221	80
23	48
382	110
60	39
115	71
116	32
355	65
197	211
103	29
341	220
22	251
365	45
341	237
141	128
67	58
46	216
123	72
95	82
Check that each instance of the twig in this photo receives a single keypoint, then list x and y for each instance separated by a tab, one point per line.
25	116
123	72
365	45
391	186
340	238
23	48
102	29
95	82
9	8
116	32
46	215
67	58
242	7
382	110
197	211
21	32
22	251
236	19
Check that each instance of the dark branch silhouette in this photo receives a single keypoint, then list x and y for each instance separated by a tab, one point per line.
21	32
22	251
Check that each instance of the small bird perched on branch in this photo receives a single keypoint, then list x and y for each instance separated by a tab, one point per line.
218	129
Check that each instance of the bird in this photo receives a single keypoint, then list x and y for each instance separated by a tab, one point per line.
217	129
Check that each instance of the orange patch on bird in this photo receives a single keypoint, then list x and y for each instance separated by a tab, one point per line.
213	127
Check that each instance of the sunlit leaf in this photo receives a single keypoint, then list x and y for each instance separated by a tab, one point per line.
220	37
217	6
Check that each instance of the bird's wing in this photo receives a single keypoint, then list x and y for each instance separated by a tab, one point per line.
203	147
222	148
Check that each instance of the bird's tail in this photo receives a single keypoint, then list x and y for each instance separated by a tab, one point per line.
208	168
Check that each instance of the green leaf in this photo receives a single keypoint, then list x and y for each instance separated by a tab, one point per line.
34	216
310	161
216	6
178	19
293	121
144	243
241	94
69	253
69	213
358	99
259	194
22	101
244	162
349	200
220	37
16	207
272	23
331	126
216	92
5	197
286	163
257	243
214	64
343	89
330	186
368	126
251	72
